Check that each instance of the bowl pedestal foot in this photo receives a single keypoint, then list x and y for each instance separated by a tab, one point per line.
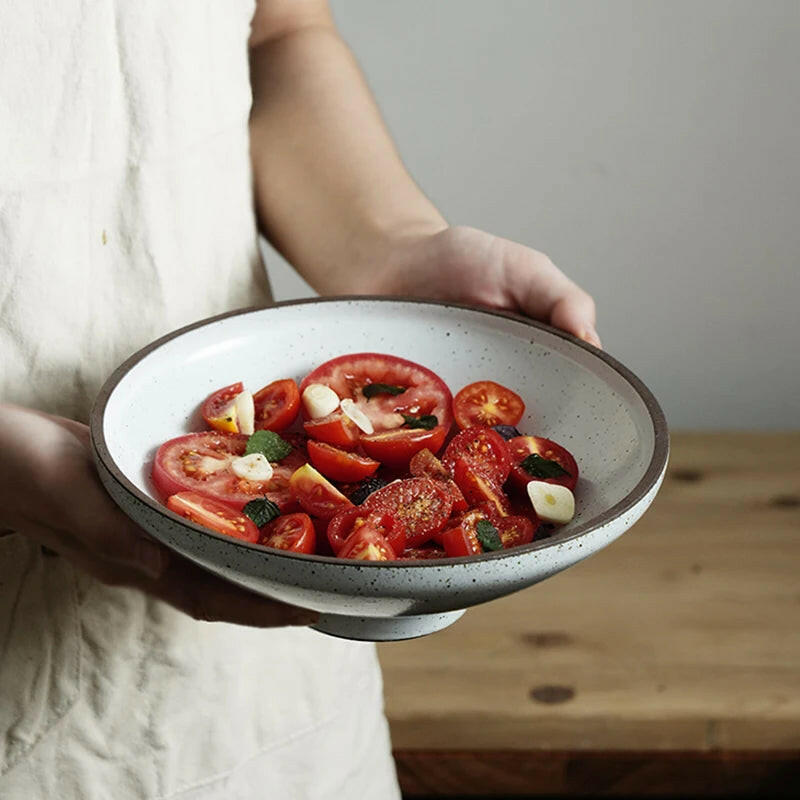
384	629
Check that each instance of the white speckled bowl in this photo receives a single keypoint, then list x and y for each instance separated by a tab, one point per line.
574	394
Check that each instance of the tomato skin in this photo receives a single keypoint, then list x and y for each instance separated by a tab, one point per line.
276	405
397	447
339	465
367	544
523	446
460	541
316	495
487	403
216	408
483	446
346	522
421	554
213	514
480	487
515	531
417	503
336	429
425	465
292	532
180	465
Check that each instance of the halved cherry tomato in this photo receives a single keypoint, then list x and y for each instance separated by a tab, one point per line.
460	541
418	503
218	409
515	531
424	393
212	514
317	495
487	403
293	532
336	429
339	465
367	544
346	522
480	487
483	446
425	465
201	462
522	446
276	405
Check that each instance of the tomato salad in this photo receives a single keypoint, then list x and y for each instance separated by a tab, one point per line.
359	461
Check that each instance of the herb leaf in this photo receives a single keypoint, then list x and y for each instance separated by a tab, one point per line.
269	444
488	536
540	467
373	389
261	511
426	421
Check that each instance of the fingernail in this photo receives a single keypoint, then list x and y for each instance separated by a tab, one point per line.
153	557
303	617
590	335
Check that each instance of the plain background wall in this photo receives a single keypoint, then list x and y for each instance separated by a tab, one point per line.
652	149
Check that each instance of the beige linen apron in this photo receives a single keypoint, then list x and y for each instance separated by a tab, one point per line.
125	212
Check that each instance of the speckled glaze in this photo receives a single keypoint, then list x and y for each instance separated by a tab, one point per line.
574	394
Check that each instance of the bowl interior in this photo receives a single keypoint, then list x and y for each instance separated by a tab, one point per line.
572	395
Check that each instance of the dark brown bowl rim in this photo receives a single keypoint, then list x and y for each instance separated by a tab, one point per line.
647	482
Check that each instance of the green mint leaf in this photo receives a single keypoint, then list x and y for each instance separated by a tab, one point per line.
426	421
261	511
269	444
373	389
488	535
539	467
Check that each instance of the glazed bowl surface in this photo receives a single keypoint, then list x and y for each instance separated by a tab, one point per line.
574	394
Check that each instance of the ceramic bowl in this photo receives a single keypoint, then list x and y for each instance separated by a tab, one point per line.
574	394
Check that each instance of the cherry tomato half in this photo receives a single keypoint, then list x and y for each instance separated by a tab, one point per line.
479	486
515	531
339	465
336	429
276	405
212	514
461	537
425	465
522	446
485	447
346	522
201	462
293	532
367	544
218	410
487	403
417	503
397	447
317	495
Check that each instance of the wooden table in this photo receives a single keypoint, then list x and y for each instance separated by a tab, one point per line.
667	664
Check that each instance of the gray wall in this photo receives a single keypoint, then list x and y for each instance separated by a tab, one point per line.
650	148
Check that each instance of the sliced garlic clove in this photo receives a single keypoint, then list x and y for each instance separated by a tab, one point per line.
245	412
551	502
254	467
353	412
320	400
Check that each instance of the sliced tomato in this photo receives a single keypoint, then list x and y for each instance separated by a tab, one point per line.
485	447
367	544
201	462
419	505
219	411
317	495
214	515
425	465
346	522
339	465
460	541
522	446
421	553
276	405
487	403
336	429
397	447
515	530
293	532
479	487
423	393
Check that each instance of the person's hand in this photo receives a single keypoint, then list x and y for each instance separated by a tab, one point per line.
470	266
50	491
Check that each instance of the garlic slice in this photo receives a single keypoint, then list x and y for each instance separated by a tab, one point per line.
551	502
320	400
254	467
353	412
245	412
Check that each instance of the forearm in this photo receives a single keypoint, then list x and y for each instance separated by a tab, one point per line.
331	191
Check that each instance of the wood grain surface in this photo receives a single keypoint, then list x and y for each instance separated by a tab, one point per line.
681	637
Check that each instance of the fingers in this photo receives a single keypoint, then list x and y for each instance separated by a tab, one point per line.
574	312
